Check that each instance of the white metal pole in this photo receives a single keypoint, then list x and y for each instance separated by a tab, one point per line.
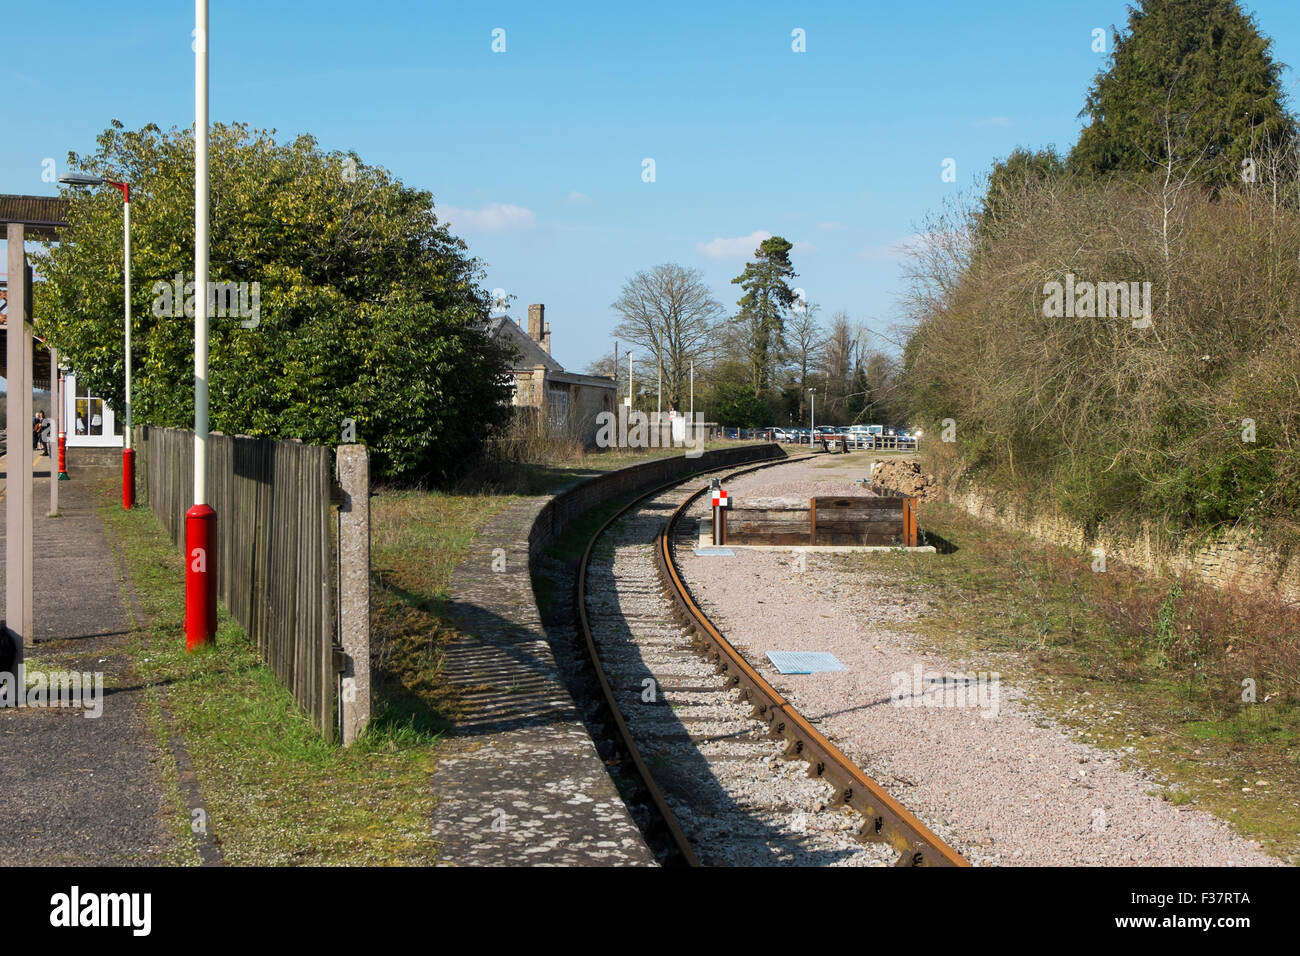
126	219
56	413
629	381
201	252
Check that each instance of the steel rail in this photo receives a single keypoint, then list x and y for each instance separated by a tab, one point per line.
887	820
679	838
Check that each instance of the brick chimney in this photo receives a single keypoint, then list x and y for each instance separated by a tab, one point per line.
546	339
536	322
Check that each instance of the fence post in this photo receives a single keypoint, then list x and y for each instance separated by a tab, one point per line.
354	588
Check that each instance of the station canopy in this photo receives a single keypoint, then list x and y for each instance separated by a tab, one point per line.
42	217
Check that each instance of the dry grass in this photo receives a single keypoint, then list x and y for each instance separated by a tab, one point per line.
1114	423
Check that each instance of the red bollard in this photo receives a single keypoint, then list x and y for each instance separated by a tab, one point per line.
200	577
63	456
128	478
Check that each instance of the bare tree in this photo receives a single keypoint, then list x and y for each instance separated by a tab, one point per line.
837	360
603	366
668	312
805	336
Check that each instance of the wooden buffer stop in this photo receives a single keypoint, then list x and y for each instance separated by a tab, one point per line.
853	520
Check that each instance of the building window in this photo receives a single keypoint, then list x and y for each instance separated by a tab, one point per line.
89	412
557	407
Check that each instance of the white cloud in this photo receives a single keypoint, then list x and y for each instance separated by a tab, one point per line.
896	250
742	247
494	217
832	224
579	198
737	248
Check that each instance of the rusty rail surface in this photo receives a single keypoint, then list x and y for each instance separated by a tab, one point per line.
886	820
679	839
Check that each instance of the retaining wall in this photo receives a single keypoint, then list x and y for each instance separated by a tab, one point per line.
594	492
1232	560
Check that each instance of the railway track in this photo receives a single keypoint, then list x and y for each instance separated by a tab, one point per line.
736	778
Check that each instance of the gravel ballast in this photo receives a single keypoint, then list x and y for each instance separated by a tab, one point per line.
999	782
737	800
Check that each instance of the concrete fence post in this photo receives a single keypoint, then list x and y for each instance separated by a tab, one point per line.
354	588
18	501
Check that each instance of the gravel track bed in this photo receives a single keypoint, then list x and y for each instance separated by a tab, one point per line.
759	484
737	799
1009	788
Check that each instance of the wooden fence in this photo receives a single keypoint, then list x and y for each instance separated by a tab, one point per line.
277	557
884	521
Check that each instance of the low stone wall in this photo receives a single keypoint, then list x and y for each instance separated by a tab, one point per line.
91	457
1232	560
594	492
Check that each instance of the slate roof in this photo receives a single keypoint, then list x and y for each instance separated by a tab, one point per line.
531	353
41	214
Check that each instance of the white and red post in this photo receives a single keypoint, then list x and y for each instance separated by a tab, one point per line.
128	453
720	504
200	520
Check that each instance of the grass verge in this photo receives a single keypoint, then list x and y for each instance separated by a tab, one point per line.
276	794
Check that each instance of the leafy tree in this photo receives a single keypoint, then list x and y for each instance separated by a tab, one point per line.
1192	83
737	406
764	307
369	308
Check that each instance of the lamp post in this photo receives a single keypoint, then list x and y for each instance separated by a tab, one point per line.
200	520
692	389
128	453
812	419
659	390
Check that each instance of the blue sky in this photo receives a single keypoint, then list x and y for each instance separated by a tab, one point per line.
536	154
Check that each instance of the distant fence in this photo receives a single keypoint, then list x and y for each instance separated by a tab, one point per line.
278	568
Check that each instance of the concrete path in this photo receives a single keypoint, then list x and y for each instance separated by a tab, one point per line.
520	781
73	789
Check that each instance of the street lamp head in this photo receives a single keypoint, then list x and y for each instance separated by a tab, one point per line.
81	179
